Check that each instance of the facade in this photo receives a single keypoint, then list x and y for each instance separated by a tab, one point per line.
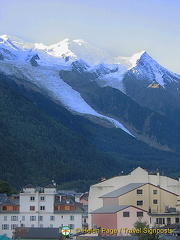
144	195
118	218
151	193
39	207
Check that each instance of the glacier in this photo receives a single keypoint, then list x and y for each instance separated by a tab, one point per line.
46	75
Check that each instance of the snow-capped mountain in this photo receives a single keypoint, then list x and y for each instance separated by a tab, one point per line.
71	50
148	68
76	75
20	60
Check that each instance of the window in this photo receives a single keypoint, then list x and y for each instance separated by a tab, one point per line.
32	218
155	201
168	221
126	214
23	218
32	225
42	198
5	226
32	208
52	218
71	226
71	218
51	225
40	218
4	208
139	203
72	207
160	221
154	191
139	191
62	216
41	225
15	208
32	198
5	218
139	214
67	207
176	220
42	208
14	218
13	226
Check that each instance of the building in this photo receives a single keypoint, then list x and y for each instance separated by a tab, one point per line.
117	218
84	198
39	207
24	233
152	193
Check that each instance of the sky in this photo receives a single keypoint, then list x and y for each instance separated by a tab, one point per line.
120	27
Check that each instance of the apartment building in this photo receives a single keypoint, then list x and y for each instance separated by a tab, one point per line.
39	207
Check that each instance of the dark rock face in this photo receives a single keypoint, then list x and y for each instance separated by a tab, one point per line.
1	56
33	60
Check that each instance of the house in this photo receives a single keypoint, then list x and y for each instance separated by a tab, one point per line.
84	198
151	192
118	217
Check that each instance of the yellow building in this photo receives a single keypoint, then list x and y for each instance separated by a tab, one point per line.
154	193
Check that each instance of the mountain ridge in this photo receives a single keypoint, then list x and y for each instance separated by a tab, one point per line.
45	74
112	116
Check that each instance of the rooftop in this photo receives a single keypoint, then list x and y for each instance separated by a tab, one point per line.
110	209
37	233
123	190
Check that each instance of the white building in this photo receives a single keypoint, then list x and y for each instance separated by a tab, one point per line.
38	207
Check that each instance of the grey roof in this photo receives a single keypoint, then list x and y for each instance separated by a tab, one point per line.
121	191
171	226
9	201
69	192
37	233
110	209
3	197
66	201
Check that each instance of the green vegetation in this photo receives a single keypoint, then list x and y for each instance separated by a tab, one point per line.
40	141
77	185
36	148
144	232
5	188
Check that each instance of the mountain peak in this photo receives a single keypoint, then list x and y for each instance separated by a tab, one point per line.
136	57
3	37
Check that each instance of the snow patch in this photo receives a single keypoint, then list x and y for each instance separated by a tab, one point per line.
134	59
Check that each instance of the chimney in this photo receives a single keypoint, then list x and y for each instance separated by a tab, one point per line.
158	178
